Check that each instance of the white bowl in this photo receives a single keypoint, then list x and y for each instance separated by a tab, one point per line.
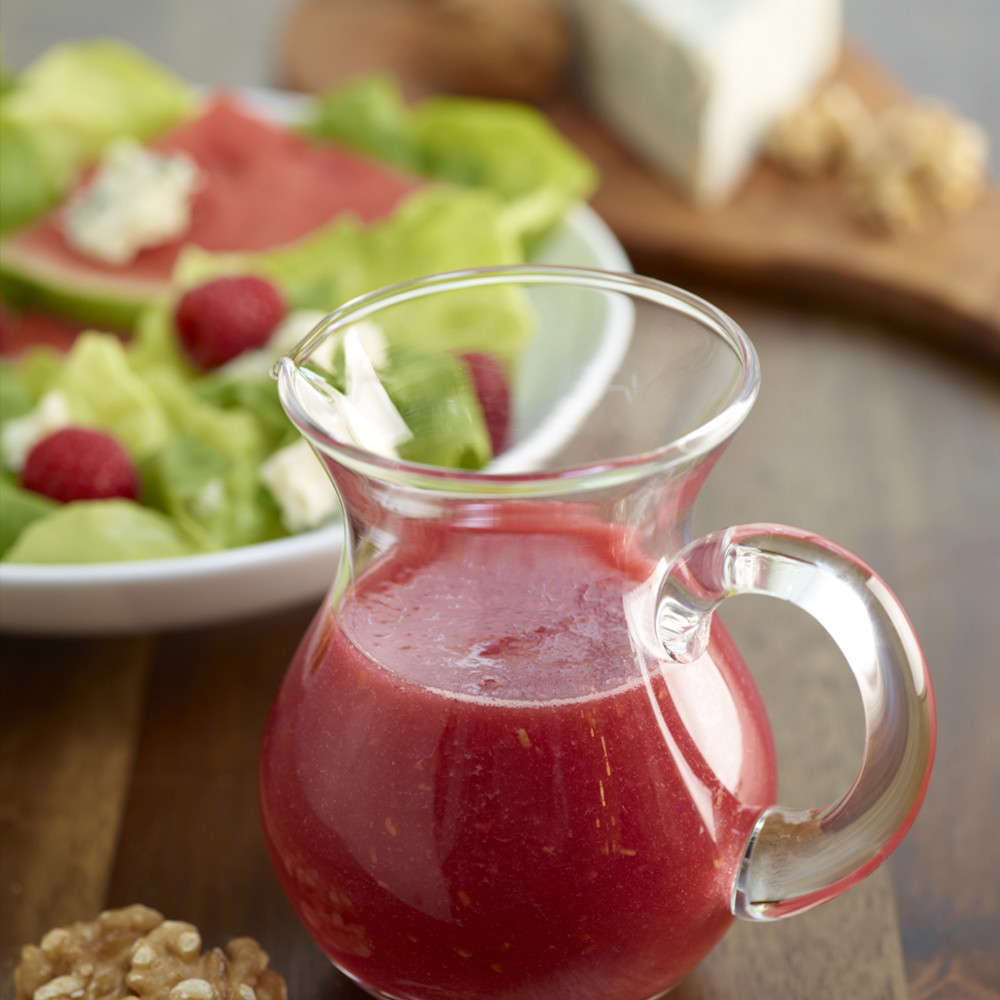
153	595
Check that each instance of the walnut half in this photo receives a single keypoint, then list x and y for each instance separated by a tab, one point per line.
85	960
824	132
134	952
922	163
901	171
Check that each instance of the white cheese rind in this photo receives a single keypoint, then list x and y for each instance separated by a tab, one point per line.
694	85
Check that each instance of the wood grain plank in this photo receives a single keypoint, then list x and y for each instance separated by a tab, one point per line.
894	452
69	719
847	948
191	843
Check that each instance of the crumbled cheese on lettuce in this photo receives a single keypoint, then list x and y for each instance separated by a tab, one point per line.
139	198
20	435
298	482
362	415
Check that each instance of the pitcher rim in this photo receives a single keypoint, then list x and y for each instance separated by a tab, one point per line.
697	442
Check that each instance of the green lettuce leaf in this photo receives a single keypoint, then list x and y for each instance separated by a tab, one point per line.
219	500
67	106
99	531
15	397
441	228
258	397
31	179
438	402
503	146
453	231
88	93
20	508
369	113
104	391
36	369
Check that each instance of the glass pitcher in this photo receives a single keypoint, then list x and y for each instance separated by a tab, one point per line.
516	755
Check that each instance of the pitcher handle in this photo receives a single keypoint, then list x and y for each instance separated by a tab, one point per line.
798	858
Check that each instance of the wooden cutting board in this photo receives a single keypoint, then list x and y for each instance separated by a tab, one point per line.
781	236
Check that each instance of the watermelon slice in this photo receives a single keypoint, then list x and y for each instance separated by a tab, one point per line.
263	187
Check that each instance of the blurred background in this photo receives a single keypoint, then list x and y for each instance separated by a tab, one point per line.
937	49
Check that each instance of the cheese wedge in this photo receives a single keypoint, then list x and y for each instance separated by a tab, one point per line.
694	85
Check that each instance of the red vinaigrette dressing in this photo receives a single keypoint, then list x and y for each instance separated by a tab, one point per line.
470	789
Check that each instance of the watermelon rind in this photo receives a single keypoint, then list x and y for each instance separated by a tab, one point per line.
33	281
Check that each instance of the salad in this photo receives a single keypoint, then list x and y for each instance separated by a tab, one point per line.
94	337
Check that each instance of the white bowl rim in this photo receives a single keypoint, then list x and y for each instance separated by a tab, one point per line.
156	579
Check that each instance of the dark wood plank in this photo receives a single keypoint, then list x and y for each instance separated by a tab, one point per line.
69	720
191	844
894	451
847	948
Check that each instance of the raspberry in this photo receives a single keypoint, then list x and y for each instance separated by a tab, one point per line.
78	463
490	382
224	317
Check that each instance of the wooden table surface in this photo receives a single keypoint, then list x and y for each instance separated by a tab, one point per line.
128	764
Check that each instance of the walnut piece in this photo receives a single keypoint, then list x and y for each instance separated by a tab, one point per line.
921	163
824	132
86	960
134	952
169	963
901	171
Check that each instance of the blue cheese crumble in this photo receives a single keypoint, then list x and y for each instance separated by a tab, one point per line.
138	198
363	415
